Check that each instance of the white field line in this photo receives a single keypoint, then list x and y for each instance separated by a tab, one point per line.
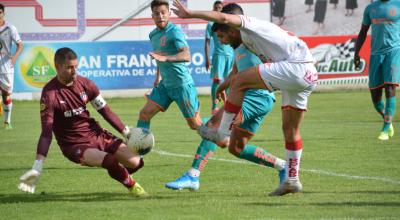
321	172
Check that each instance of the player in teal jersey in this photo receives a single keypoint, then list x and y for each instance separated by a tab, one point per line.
222	59
256	105
384	69
171	51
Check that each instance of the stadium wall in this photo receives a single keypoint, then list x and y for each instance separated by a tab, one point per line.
118	60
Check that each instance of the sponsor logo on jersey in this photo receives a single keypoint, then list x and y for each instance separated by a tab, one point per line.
83	96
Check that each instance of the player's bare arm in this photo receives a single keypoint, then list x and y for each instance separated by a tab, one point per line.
17	52
218	17
362	35
183	55
158	77
206	51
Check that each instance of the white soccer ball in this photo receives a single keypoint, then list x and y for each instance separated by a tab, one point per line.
141	140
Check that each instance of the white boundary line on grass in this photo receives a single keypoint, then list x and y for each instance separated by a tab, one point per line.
322	172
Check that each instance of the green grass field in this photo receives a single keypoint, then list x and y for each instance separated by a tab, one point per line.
346	172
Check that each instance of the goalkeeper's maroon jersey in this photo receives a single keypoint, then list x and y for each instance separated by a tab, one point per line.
64	107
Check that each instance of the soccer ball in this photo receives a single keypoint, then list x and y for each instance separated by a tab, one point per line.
141	140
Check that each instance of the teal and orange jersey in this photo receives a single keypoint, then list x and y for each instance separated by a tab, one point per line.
219	49
384	18
245	59
168	41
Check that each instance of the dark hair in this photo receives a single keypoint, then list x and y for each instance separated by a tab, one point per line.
231	8
156	3
218	3
64	54
2	7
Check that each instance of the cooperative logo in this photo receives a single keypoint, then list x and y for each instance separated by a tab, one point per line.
37	66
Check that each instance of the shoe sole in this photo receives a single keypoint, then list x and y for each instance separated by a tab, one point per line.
180	189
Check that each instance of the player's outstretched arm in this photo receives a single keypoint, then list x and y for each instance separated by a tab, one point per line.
218	17
183	55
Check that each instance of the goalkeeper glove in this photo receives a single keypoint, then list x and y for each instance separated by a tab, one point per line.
126	133
31	177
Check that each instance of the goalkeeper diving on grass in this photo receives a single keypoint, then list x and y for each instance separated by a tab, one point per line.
81	139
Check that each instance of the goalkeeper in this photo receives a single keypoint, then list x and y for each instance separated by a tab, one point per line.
81	139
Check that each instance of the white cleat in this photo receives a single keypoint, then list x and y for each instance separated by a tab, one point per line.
212	134
289	186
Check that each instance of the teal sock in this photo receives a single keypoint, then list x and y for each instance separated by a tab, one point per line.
143	124
389	112
214	87
379	106
204	151
257	155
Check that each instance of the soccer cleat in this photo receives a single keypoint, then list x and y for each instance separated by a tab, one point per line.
7	125
282	176
288	186
138	191
383	136
391	131
212	134
184	182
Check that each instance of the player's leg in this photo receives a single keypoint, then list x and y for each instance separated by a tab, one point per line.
191	179
255	108
217	72
377	101
248	79
186	99
7	108
6	86
390	109
157	101
391	74
214	100
238	146
112	154
292	116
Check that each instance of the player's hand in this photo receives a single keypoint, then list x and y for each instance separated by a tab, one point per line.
13	60
357	61
158	57
208	64
221	95
126	133
28	181
180	10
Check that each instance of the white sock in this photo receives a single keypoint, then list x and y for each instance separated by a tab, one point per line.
194	172
293	164
7	112
226	121
279	164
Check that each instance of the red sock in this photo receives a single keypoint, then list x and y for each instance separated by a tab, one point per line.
116	171
294	146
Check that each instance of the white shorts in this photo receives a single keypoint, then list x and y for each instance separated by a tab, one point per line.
295	80
6	82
